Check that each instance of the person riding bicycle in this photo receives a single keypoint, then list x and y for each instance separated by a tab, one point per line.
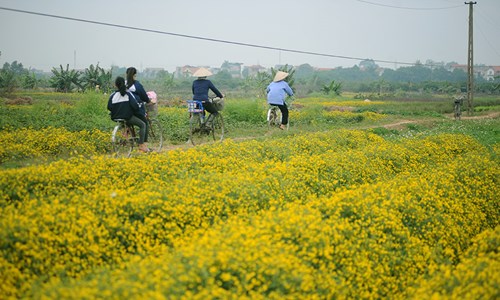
200	89
136	88
276	93
123	105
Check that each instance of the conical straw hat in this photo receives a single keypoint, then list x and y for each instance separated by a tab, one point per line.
280	76
202	72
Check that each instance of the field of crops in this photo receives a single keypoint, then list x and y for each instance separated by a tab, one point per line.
335	213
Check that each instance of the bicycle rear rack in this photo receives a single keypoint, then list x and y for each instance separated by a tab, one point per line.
195	106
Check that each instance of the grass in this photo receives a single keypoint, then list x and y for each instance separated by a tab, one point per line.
245	118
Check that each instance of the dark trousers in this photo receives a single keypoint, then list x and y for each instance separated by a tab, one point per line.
137	121
145	120
210	107
284	113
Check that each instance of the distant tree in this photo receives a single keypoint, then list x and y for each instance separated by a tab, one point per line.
224	79
262	80
8	82
304	71
65	80
29	81
10	76
368	64
256	85
119	71
167	81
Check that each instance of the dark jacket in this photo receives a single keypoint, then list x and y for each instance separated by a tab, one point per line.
140	95
200	89
122	107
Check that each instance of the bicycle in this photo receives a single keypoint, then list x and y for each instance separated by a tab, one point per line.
201	130
124	137
457	107
274	117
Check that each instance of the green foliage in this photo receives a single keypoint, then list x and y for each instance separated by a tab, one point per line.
261	81
246	111
94	78
333	87
29	81
87	113
10	75
174	122
8	82
65	80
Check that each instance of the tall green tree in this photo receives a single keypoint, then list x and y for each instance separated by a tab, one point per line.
10	76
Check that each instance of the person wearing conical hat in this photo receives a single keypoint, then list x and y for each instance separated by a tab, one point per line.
201	87
276	93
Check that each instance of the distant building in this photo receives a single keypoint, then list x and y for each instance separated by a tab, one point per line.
250	71
491	72
324	69
188	71
486	72
232	68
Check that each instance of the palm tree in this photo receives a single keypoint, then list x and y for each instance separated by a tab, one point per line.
332	87
65	80
96	76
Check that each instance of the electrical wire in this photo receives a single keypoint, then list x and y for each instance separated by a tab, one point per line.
410	8
204	38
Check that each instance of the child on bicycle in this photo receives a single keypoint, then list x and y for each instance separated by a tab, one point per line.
123	105
200	89
276	93
136	88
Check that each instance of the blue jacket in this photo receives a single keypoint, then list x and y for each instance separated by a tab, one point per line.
140	95
122	107
276	92
200	89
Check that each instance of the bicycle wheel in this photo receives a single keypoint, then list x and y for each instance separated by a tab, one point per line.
155	135
271	116
218	128
198	132
122	140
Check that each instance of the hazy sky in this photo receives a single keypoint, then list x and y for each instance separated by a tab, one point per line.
384	30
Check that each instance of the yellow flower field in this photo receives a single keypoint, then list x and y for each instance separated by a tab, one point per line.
333	215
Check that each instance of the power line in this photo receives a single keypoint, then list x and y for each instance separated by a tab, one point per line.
410	8
202	38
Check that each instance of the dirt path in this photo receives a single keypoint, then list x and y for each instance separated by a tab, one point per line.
490	115
395	125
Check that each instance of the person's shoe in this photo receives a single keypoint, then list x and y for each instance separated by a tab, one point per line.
282	127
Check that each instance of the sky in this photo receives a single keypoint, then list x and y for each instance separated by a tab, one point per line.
182	32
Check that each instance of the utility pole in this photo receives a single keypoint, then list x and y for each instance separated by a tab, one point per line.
470	63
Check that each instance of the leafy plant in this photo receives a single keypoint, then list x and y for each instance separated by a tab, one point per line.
8	82
9	76
333	87
96	78
65	80
29	81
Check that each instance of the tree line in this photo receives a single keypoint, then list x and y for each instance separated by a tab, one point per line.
365	79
